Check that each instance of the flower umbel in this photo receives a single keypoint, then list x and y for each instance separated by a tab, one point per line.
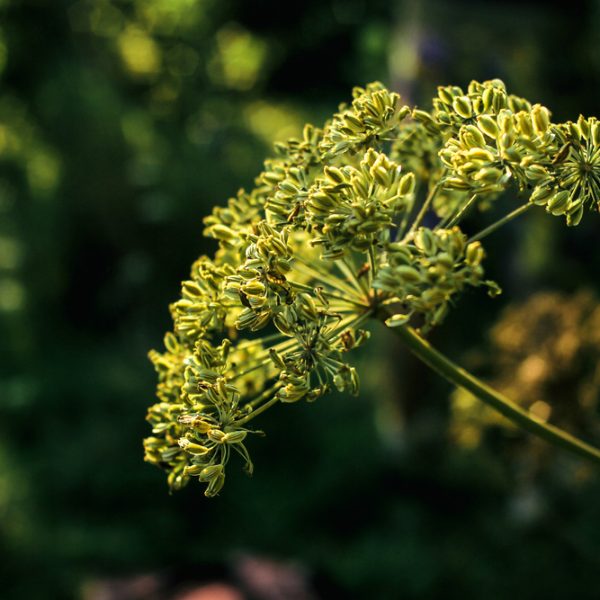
333	235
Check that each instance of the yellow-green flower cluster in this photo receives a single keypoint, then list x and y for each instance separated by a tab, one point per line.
333	235
573	178
485	155
373	116
491	139
423	275
453	108
417	150
354	208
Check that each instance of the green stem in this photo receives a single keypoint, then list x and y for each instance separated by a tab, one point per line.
263	407
310	289
421	215
404	223
372	265
458	376
261	340
509	217
260	362
350	272
325	277
459	215
343	325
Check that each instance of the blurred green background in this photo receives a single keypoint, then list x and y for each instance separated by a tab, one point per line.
121	123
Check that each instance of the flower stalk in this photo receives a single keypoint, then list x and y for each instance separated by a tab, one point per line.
458	376
500	222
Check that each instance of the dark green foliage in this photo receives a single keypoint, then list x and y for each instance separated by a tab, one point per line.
100	215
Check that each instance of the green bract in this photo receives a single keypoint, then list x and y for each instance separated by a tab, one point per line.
332	236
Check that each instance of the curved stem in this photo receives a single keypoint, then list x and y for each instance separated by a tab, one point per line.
457	375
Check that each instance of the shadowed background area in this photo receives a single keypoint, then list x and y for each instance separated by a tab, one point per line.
122	122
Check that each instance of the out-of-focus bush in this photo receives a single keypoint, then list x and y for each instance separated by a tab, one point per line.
544	355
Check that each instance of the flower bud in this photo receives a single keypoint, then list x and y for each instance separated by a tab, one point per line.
558	203
222	232
541	119
209	473
235	437
397	320
193	448
407	184
462	105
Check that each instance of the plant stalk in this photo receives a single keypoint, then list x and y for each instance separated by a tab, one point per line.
462	378
503	221
426	204
459	215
